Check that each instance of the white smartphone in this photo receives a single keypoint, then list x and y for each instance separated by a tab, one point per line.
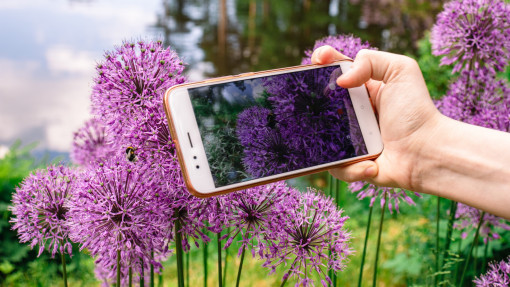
240	131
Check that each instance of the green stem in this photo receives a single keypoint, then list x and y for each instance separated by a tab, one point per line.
225	263
152	270
438	212
64	271
130	277
457	264
218	238
484	266
118	268
240	267
475	241
178	251
204	261
374	281
160	279
187	269
365	246
142	274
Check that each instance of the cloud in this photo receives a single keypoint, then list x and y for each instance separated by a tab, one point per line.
67	60
34	102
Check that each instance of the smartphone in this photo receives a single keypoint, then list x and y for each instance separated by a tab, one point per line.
237	132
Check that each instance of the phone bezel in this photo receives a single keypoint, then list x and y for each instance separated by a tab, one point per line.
182	122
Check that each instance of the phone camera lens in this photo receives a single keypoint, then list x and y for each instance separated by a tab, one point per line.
198	166
195	157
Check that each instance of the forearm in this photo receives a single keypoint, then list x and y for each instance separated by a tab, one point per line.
468	164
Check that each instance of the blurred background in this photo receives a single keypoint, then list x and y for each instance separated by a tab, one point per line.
48	53
50	47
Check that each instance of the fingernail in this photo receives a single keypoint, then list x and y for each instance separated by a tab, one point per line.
319	51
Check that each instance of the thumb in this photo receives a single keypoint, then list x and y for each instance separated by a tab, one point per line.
376	65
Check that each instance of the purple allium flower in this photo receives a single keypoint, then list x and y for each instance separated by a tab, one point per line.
313	239
256	214
479	99
498	275
393	195
346	44
121	206
40	212
311	111
265	150
187	211
131	79
217	212
469	217
472	34
91	143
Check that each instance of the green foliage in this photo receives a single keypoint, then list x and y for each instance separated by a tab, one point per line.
436	76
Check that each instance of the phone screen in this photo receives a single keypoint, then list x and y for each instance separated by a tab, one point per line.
270	125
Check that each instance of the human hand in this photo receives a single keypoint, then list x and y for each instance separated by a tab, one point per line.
407	115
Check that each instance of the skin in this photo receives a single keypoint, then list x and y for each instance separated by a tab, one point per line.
424	151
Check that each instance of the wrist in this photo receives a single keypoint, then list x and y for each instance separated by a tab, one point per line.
428	156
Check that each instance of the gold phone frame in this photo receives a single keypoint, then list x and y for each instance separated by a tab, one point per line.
178	148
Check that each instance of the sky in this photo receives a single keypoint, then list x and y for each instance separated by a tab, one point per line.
48	52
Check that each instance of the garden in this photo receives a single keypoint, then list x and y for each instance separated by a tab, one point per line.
119	213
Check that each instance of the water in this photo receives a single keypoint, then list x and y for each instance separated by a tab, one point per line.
49	47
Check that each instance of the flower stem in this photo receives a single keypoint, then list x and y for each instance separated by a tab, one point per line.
225	263
160	279
240	267
484	266
218	237
365	246
205	262
437	239
152	270
374	281
118	267
178	251
64	271
130	277
187	269
142	274
475	241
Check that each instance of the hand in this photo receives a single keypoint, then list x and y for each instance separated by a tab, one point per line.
407	115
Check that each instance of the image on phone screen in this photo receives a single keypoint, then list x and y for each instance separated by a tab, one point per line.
270	125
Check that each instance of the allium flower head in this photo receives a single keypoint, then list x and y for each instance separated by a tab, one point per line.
346	44
91	143
472	34
256	214
390	194
187	211
313	240
217	212
469	217
40	212
498	275
479	99
265	150
121	206
130	79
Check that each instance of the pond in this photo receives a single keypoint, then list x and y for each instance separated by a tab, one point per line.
50	47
